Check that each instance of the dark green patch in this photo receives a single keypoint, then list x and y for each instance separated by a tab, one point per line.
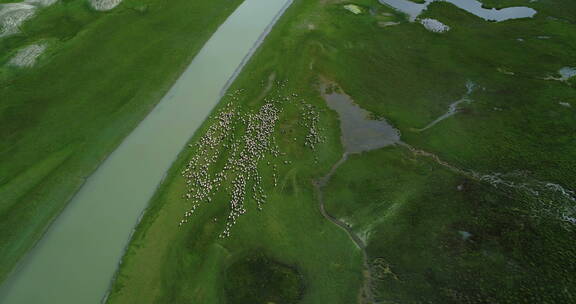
258	279
440	237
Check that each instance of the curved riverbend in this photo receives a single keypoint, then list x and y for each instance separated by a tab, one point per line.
79	253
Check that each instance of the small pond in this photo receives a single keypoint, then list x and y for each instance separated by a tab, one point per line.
360	131
413	9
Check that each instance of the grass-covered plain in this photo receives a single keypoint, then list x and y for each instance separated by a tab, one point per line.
437	236
258	279
436	230
190	263
100	75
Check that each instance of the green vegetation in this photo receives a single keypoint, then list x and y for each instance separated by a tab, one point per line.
437	236
257	279
441	226
100	76
186	263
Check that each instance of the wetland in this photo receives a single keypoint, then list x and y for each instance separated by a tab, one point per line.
372	151
451	212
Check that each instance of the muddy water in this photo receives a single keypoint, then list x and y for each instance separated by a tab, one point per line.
77	257
413	10
360	132
567	73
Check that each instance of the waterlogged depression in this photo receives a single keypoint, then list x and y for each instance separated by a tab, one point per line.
414	9
77	257
360	132
567	73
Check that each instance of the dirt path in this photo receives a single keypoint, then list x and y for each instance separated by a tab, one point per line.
366	295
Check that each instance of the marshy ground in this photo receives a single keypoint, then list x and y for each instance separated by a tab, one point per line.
470	205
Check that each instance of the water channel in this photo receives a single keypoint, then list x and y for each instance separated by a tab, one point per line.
79	254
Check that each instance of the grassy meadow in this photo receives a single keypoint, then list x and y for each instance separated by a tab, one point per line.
475	218
435	236
101	74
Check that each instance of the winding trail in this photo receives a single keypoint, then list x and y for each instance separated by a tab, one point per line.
360	133
78	255
452	108
367	295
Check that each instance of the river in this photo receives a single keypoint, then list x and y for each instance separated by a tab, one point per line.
77	257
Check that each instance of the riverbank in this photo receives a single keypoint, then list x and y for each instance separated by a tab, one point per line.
118	192
439	220
103	75
321	253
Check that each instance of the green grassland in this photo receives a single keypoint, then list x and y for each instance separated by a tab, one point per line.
439	237
102	73
190	263
258	279
436	230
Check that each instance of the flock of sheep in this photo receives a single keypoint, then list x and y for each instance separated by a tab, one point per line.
240	142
